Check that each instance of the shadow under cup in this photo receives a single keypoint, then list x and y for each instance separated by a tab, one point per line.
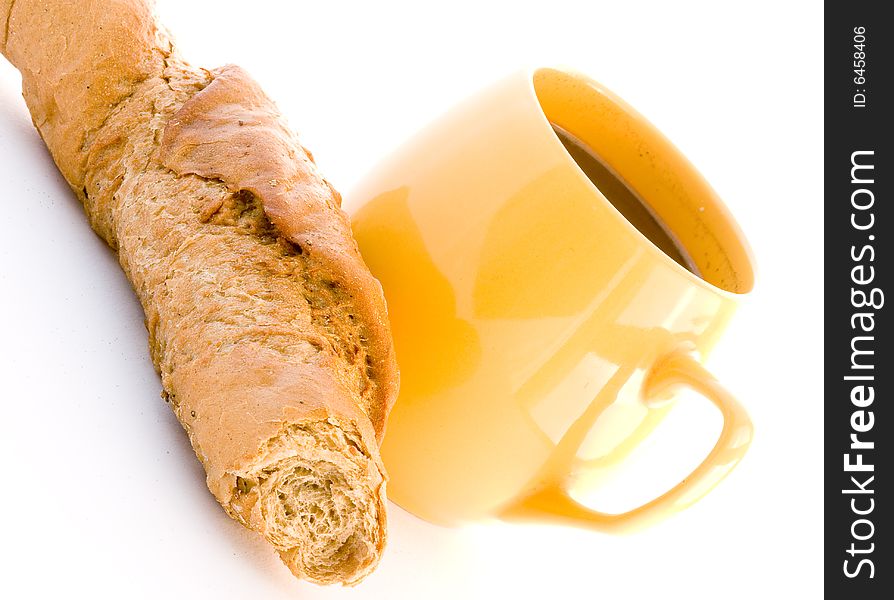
538	329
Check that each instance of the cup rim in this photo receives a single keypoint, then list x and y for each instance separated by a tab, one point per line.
640	123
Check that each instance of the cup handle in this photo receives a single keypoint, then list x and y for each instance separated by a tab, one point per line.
674	370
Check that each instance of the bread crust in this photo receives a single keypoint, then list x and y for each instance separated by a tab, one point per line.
232	132
269	333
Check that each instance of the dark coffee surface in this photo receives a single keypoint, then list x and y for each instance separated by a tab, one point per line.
628	202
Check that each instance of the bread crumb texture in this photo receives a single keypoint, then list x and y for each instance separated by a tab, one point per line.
301	491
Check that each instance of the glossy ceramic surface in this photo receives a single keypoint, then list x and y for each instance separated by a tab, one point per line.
538	333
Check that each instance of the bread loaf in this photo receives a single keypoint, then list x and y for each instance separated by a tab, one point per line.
268	331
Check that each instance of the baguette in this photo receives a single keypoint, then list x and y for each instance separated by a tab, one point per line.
268	331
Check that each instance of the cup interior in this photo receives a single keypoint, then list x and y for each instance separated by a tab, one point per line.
680	214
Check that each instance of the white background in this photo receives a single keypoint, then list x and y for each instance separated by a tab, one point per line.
102	496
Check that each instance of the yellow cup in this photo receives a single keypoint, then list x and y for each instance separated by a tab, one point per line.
539	333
